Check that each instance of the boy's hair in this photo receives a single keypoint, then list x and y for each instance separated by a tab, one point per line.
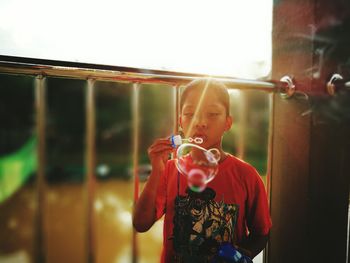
201	84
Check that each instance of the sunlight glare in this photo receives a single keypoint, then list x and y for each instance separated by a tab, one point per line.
226	37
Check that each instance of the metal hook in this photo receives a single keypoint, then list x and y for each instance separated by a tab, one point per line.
289	88
331	87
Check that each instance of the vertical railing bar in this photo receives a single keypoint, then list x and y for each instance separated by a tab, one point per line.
90	165
40	108
176	94
269	163
242	125
135	153
176	101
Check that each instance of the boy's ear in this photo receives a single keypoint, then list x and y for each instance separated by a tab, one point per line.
229	121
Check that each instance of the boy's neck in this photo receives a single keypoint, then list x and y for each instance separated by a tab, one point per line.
223	155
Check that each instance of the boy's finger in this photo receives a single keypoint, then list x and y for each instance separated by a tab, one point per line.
161	144
160	148
162	141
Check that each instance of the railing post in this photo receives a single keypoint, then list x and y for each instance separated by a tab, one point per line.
135	152
269	164
177	108
90	183
242	122
40	109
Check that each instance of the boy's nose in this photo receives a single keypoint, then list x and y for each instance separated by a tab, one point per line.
200	121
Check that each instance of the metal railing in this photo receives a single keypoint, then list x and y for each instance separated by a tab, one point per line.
41	69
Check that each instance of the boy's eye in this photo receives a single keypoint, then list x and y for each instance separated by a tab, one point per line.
213	114
188	114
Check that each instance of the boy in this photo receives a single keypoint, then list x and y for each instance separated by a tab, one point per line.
232	210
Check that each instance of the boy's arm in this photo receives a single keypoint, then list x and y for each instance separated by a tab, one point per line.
144	214
257	214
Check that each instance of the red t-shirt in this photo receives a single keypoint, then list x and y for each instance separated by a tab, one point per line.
237	182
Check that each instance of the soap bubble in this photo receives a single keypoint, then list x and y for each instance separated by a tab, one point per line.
197	164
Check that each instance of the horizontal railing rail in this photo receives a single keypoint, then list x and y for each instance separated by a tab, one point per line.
54	68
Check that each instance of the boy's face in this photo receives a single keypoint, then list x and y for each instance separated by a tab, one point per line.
204	115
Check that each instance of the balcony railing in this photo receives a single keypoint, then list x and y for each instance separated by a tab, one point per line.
43	69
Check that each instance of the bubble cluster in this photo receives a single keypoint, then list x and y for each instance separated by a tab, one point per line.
197	164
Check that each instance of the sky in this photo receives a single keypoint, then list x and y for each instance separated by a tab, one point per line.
214	37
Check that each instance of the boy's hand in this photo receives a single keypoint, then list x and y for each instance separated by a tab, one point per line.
159	152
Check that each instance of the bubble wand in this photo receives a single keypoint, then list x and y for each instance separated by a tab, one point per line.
177	140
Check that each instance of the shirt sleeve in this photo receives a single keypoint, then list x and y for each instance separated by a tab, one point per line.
161	197
257	208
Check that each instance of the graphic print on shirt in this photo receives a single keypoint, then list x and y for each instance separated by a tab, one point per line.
201	225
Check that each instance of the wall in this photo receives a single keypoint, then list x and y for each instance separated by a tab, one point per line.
311	143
